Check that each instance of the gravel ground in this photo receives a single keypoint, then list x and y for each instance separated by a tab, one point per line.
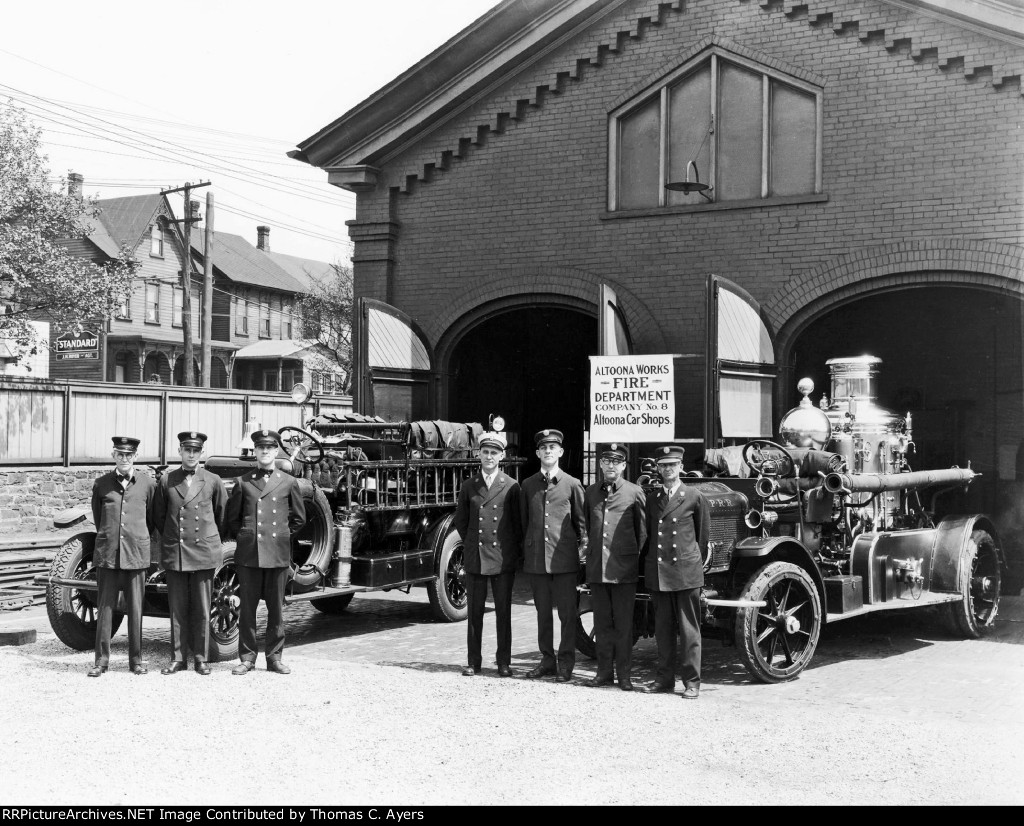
342	733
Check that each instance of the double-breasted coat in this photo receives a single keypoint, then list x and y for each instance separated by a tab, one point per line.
263	513
124	521
190	519
488	520
554	525
677	528
616	531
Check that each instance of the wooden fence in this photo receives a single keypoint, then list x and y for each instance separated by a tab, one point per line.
58	422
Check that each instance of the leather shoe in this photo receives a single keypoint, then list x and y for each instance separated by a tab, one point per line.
540	671
626	684
599	682
244	667
661	688
504	671
470	671
96	670
691	693
139	668
278	667
563	676
174	667
202	667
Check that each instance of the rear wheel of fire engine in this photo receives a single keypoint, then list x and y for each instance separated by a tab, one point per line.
333	605
311	547
448	597
776	642
979	579
224	608
71	611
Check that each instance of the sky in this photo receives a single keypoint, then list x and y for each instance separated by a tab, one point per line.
139	97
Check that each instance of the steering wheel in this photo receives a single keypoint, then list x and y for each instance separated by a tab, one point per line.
767	458
303	441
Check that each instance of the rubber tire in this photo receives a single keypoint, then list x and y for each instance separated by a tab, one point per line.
746	628
311	568
978	558
224	613
333	605
72	612
585	641
448	598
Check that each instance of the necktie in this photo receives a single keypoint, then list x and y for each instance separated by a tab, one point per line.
606	487
122	478
552	480
189	472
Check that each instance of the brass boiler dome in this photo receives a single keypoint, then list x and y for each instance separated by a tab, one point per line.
872	438
805	425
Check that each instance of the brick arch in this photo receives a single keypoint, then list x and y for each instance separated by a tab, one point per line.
947	262
564	286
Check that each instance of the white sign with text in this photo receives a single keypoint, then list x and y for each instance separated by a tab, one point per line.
632	399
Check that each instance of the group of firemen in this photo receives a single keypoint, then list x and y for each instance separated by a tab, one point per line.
549	527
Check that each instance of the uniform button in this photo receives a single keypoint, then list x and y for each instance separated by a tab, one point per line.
546	514
659	559
495	519
674	559
605	536
494	506
273	523
673	533
659	533
274	535
674	519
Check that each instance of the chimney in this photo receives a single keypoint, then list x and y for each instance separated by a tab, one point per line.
75	184
263	238
194	212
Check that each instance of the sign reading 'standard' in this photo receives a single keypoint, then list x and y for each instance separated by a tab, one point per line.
83	345
632	399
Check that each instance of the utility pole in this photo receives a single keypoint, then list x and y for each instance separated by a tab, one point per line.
185	236
208	293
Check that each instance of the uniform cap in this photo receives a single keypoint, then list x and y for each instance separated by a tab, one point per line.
192	438
494	440
615	450
125	444
543	436
266	437
669	453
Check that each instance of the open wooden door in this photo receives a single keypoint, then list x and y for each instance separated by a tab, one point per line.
741	368
393	364
613	334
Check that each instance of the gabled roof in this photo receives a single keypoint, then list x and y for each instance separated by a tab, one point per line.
302	270
126	219
276	348
516	33
241	262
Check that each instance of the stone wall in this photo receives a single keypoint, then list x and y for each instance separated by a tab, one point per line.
30	496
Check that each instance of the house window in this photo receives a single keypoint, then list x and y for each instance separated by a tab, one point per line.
153	303
241	316
265	317
748	131
286	321
124	310
156	241
179	307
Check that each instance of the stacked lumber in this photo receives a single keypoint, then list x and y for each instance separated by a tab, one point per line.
20	561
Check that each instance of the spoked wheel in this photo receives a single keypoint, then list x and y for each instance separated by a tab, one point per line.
980	583
777	642
224	608
72	611
448	595
585	634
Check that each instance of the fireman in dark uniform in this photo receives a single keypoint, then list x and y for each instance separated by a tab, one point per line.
122	510
487	519
555	538
616	531
677	528
265	510
189	514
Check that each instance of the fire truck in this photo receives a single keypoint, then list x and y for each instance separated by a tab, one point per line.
380	499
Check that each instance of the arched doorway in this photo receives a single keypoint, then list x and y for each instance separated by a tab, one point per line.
157	369
951	356
179	372
529	364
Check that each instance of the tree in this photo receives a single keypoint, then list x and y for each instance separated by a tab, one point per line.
326	312
39	279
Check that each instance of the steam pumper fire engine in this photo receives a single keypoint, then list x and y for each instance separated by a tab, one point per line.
380	499
826	526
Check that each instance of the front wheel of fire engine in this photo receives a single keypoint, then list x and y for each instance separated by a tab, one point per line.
224	604
448	597
979	578
777	641
72	611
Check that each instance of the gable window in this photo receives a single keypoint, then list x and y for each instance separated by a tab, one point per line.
153	303
156	241
747	131
241	316
265	317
